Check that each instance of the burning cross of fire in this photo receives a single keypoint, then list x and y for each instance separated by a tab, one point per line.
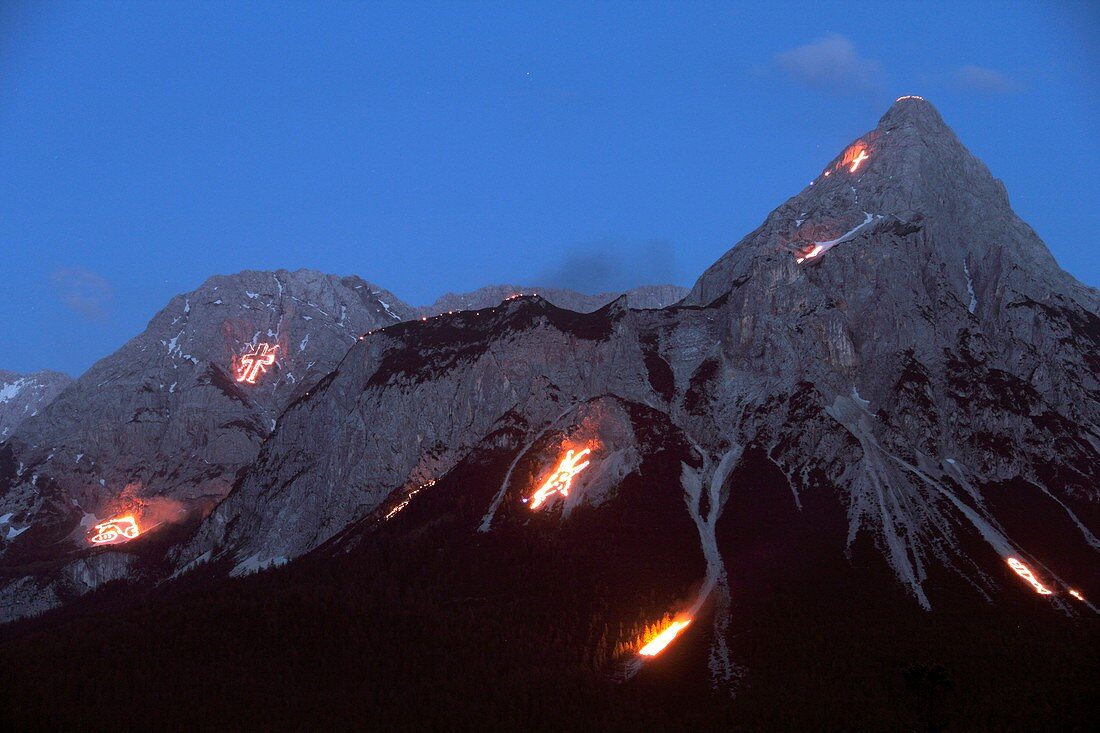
113	531
561	479
255	362
1025	572
853	157
857	160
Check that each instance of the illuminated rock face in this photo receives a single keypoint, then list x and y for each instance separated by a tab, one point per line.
426	393
934	349
920	388
168	413
179	411
165	413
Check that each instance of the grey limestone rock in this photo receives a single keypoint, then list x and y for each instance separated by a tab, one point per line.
165	415
893	336
25	395
644	297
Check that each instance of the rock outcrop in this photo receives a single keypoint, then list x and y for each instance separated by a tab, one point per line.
644	297
25	395
165	417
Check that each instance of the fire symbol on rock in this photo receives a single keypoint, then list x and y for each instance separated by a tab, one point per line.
853	157
561	479
113	531
857	160
814	252
1025	572
663	639
255	362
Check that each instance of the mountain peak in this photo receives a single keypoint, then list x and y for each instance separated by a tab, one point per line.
911	110
910	168
910	148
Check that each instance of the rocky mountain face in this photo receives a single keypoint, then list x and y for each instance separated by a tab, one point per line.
163	427
933	351
893	347
876	400
644	297
25	395
424	394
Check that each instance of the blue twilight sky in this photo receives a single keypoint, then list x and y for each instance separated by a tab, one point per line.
441	146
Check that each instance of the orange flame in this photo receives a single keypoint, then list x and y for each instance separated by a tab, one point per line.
114	531
854	157
1076	594
814	252
562	478
657	644
409	497
1025	572
858	159
255	362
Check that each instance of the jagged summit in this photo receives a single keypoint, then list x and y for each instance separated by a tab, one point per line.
170	414
909	173
911	109
645	296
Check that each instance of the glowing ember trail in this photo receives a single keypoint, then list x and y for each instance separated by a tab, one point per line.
663	639
560	481
1025	572
114	531
255	362
1076	594
819	247
393	512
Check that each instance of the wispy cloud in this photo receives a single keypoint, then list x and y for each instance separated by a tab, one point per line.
614	265
831	63
83	291
984	80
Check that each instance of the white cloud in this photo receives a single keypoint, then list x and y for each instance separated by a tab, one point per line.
83	291
831	63
984	81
